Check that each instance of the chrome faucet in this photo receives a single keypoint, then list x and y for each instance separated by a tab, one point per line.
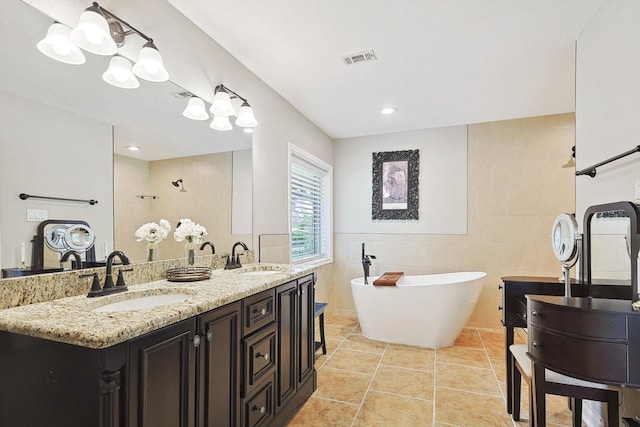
65	257
234	260
205	244
109	287
366	263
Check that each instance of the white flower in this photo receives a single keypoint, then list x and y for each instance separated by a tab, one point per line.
152	232
189	231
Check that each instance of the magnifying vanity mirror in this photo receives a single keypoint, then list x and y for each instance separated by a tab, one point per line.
611	246
564	242
54	115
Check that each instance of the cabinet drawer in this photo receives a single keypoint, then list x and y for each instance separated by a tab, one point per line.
593	324
259	409
259	357
258	311
606	361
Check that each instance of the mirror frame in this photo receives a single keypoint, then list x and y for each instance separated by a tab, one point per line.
633	212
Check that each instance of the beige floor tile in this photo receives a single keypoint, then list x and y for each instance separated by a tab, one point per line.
493	341
384	410
340	320
344	386
411	347
467	379
323	412
358	342
337	332
464	356
470	409
355	361
406	357
405	382
469	337
499	366
357	330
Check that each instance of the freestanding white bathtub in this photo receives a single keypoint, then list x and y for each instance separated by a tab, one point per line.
425	311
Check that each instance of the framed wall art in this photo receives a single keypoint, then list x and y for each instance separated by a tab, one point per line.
395	185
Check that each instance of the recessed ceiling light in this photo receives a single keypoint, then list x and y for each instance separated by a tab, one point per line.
247	130
389	110
132	148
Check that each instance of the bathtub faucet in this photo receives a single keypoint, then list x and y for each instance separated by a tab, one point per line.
366	263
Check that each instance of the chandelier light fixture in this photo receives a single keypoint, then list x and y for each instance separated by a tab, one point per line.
222	108
102	33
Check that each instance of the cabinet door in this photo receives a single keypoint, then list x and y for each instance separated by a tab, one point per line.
305	329
162	377
219	374
286	299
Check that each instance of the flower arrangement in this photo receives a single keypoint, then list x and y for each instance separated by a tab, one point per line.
153	233
192	233
189	231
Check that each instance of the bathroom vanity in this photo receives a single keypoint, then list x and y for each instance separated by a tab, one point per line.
238	352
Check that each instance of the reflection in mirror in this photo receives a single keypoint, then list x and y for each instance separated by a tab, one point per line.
608	260
53	115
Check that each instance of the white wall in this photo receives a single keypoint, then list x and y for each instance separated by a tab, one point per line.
608	115
442	186
50	152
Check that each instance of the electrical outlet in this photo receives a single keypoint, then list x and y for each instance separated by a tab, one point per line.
37	215
638	191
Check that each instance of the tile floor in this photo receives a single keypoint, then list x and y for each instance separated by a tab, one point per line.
371	383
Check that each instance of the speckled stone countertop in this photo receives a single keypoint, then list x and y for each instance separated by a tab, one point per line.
71	320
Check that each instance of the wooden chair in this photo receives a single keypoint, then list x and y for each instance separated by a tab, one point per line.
545	381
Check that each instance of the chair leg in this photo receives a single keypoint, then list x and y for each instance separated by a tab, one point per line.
532	415
322	340
537	381
516	391
576	413
613	416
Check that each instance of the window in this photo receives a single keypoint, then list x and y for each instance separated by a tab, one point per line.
310	194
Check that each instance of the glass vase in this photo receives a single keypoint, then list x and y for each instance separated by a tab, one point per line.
190	254
152	251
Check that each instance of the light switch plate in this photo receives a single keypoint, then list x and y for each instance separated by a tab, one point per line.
638	191
37	215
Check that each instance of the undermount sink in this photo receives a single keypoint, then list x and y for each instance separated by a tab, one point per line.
139	303
261	272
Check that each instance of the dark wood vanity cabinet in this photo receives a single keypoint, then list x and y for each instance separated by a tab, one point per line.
588	338
294	304
162	377
248	363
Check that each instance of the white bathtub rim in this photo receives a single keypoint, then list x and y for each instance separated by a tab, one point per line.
430	279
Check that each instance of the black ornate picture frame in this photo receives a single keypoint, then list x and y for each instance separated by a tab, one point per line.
395	185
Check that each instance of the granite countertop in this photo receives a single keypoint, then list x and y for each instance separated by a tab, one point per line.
71	320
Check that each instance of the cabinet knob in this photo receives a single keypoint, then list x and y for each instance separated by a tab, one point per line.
535	345
196	340
260	409
534	313
209	335
264	356
499	308
500	287
263	311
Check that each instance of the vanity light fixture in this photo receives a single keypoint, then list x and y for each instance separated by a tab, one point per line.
221	123
119	74
102	33
57	45
222	108
196	109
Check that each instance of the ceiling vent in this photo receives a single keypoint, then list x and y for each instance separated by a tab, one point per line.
182	95
366	56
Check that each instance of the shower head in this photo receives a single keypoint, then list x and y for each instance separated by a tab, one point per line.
179	183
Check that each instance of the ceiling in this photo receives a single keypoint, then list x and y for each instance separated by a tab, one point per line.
439	62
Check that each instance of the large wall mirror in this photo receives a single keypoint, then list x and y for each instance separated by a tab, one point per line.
611	245
64	132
